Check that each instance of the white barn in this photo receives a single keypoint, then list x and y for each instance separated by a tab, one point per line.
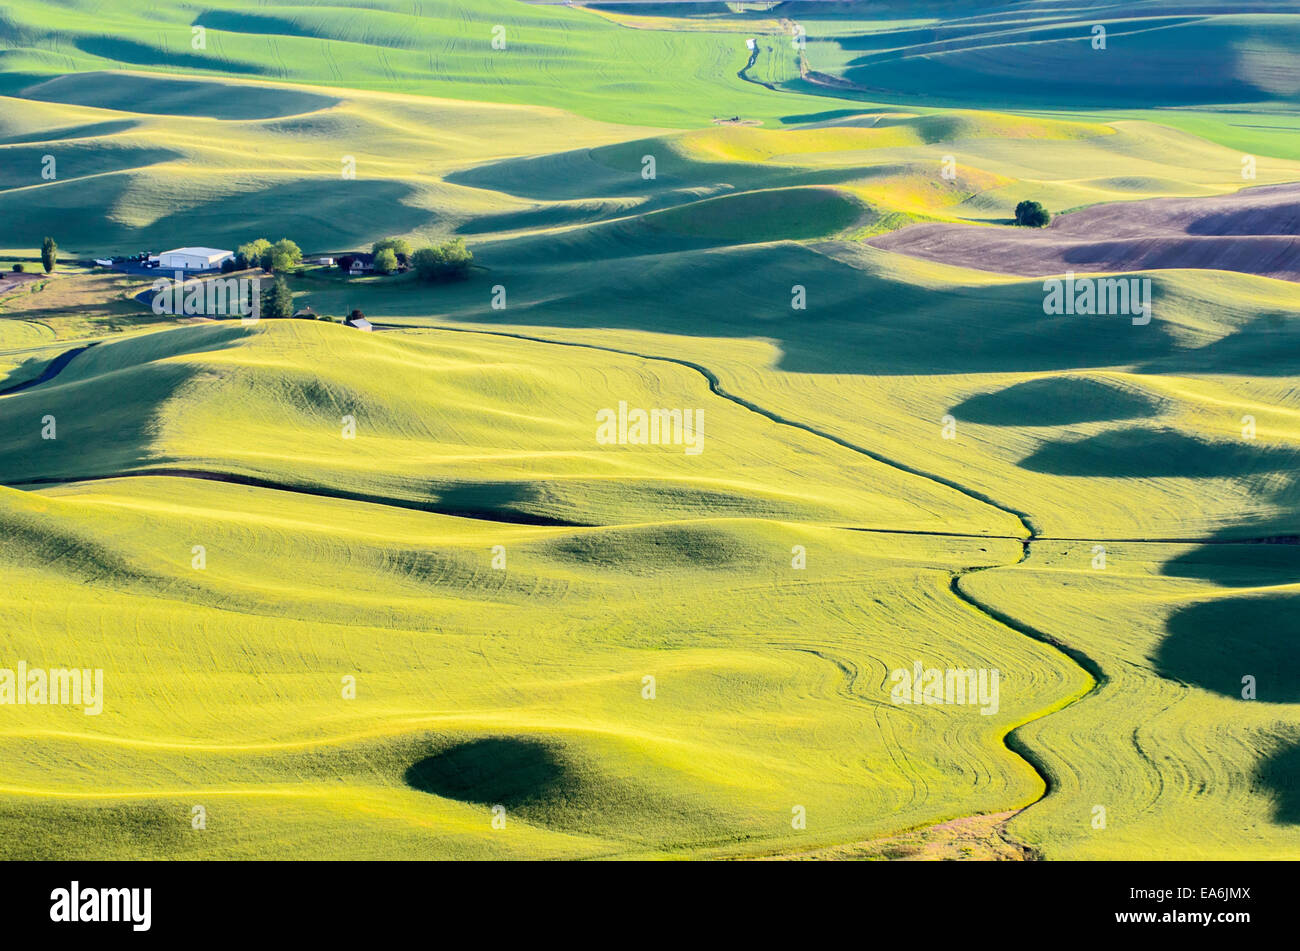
193	259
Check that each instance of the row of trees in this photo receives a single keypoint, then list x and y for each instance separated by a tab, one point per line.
445	262
283	255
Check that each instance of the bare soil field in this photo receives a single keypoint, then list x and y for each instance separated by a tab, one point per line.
1255	231
12	280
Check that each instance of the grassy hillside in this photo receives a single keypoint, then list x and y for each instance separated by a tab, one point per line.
304	586
902	460
357	166
552	55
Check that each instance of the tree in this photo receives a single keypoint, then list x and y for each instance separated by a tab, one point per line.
447	262
1031	214
281	256
49	254
345	262
250	254
227	265
398	246
18	268
356	314
278	300
385	261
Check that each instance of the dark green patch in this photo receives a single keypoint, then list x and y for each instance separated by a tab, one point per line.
1214	644
1055	401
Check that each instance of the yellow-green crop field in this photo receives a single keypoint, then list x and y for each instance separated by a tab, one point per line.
423	593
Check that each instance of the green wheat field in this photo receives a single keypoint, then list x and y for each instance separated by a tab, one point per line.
389	594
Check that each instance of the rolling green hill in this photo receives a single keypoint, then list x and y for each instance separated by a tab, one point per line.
633	649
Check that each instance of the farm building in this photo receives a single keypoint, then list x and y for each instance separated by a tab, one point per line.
360	323
193	259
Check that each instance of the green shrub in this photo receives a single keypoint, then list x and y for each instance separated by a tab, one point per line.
1031	214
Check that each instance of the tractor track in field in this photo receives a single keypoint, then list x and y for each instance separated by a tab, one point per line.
316	491
1010	740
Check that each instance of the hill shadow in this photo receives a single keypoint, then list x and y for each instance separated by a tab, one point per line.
855	320
91	130
23	164
1214	644
108	405
1267	345
145	54
1248	555
512	502
1279	773
154	95
1055	401
1141	452
514	772
322	207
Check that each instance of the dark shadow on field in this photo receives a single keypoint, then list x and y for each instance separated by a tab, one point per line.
145	54
1187	60
615	171
324	207
88	202
108	405
517	503
1280	220
1267	345
268	25
510	771
1142	452
1279	772
92	130
855	320
1271	562
159	96
1055	401
25	374
23	164
1214	644
1247	555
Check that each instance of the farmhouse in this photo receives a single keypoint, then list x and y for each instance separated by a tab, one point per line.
304	313
193	259
360	323
361	264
